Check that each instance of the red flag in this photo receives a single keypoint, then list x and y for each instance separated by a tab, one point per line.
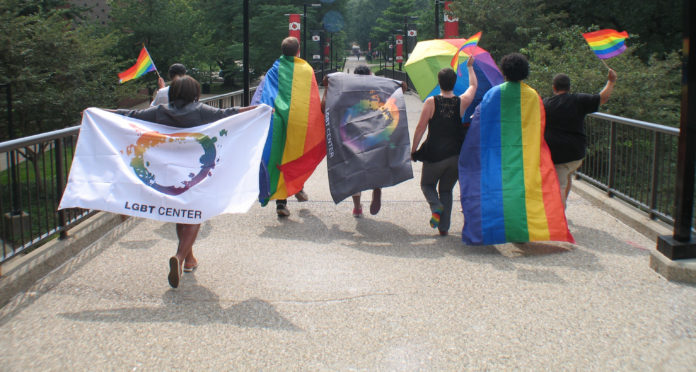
327	50
295	28
451	24
399	48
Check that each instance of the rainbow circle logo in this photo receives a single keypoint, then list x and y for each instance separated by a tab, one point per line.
388	113
145	171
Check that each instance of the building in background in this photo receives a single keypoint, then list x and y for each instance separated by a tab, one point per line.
98	11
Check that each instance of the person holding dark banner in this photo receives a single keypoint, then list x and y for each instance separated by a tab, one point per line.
376	203
442	116
183	111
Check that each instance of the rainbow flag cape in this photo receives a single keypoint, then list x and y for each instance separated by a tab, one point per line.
469	43
606	43
509	187
296	141
142	66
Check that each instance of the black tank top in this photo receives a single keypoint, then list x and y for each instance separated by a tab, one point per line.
445	129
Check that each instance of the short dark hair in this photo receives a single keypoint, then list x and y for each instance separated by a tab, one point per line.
447	78
290	46
362	70
515	67
176	69
561	82
185	90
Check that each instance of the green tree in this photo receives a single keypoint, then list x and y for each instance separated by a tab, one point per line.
54	68
646	91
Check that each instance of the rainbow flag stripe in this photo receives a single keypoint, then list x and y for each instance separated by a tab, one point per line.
509	188
296	141
606	43
470	42
141	67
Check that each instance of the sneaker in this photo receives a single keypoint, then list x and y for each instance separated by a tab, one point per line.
443	233
302	196
282	210
435	219
376	201
357	212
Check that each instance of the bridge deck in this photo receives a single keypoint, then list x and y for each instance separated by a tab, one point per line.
321	290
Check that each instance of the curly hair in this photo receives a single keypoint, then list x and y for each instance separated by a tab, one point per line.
514	67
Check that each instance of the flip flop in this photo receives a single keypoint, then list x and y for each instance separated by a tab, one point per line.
174	272
190	269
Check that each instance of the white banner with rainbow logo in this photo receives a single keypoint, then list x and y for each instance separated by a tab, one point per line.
184	175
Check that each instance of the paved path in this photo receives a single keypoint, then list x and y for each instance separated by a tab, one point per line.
321	290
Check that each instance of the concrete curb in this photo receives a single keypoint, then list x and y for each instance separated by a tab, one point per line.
683	271
627	214
23	271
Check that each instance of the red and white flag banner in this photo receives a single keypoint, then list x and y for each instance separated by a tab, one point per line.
451	23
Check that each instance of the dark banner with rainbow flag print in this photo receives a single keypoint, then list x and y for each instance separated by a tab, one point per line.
509	187
367	142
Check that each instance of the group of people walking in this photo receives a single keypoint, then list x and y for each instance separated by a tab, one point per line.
441	117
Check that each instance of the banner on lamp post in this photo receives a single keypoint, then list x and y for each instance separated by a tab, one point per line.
451	23
294	28
399	48
327	50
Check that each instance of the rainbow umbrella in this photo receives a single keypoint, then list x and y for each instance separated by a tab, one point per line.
430	56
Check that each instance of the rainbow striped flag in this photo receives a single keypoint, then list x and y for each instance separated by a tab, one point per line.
142	66
469	43
509	187
606	43
296	141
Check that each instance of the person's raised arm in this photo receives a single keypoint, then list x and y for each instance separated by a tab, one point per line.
426	113
468	96
606	92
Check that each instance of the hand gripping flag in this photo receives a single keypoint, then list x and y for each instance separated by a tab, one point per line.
469	43
142	66
606	43
184	175
509	187
367	142
296	141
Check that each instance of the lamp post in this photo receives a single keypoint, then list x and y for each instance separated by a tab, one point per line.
437	18
304	28
406	34
245	59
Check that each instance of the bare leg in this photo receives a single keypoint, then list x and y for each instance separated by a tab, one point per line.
187	236
357	207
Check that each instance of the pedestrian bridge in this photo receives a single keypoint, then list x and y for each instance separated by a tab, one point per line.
321	290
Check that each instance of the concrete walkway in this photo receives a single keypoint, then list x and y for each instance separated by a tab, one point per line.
321	290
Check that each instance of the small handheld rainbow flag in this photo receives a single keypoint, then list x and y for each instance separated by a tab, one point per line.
470	42
606	43
142	66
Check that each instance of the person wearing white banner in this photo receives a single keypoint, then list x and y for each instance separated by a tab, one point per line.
183	111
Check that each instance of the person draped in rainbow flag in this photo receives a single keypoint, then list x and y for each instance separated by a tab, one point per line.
296	141
509	189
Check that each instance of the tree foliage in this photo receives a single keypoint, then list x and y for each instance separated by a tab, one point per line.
54	69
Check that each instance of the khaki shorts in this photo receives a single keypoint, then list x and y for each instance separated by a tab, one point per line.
565	171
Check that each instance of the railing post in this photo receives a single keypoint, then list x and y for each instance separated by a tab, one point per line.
653	178
62	222
612	157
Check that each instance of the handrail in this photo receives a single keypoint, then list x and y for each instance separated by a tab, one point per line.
636	123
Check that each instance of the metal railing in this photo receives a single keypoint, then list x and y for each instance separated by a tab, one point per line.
633	160
33	174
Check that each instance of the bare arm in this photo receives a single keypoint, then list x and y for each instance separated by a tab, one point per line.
468	96
426	114
606	92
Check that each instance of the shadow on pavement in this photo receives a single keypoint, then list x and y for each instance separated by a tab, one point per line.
193	304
